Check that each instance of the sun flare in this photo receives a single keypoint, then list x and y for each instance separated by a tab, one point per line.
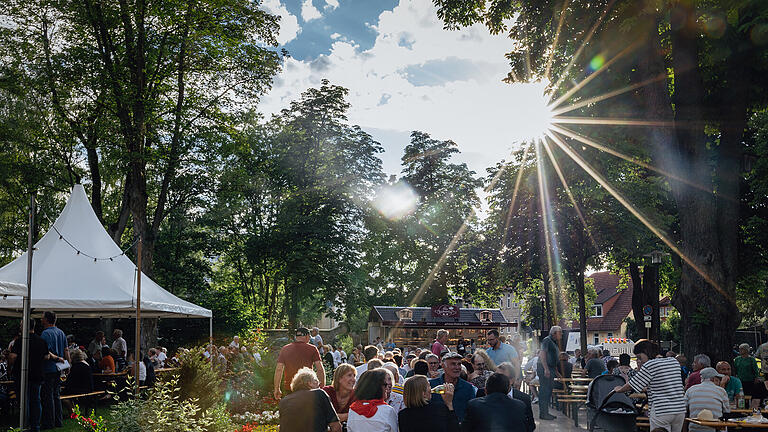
538	115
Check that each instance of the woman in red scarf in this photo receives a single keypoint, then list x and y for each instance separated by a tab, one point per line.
370	412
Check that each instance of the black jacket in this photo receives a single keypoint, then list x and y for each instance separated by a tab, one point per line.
530	423
79	380
496	412
432	417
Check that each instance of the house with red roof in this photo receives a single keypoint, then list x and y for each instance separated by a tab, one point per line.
612	305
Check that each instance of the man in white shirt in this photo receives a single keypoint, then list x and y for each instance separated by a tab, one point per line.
336	356
162	355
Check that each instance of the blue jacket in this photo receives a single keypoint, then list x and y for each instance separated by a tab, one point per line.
463	392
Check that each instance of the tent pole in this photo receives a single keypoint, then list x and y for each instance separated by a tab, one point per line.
210	329
136	352
23	390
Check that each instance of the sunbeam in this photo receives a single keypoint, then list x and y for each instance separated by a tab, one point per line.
608	95
550	244
581	138
636	212
606	121
514	195
554	43
569	193
595	74
584	43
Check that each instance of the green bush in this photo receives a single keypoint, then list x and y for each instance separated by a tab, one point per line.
199	381
165	410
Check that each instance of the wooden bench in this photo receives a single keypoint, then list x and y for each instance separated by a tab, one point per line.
643	423
76	396
570	405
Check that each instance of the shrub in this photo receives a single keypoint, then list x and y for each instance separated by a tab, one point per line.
165	410
198	380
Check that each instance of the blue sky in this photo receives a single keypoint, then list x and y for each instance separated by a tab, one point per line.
404	73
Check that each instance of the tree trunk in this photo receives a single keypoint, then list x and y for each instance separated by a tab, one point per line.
705	303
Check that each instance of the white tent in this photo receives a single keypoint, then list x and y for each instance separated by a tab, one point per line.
12	289
68	280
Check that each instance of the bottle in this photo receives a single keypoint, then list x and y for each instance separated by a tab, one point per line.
440	389
740	400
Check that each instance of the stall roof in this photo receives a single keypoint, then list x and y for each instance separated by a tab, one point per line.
423	315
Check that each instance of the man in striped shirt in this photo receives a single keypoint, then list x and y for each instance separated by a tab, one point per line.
661	377
707	395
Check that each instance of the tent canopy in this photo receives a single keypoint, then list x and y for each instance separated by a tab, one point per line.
73	284
12	289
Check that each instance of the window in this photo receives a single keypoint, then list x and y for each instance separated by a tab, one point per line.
508	301
610	335
501	302
597	339
485	316
405	314
664	312
597	310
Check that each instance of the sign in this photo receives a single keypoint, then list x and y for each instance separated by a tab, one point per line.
647	324
647	310
445	311
647	318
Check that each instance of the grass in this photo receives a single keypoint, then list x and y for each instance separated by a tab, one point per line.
71	425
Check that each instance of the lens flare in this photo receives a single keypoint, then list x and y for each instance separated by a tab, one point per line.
396	201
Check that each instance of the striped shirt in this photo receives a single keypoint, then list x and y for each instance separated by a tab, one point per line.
709	396
665	391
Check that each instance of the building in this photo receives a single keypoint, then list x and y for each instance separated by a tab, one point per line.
511	309
612	305
418	325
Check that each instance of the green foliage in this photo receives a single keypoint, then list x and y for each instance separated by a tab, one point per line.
198	380
166	410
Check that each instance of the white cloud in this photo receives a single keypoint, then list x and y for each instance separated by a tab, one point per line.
335	36
331	4
309	11
482	114
289	24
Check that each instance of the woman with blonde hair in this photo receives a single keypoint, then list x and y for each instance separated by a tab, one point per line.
342	389
420	415
484	367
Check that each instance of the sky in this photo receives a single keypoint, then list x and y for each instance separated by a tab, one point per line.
404	72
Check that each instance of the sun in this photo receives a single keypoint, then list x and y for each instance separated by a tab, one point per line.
535	110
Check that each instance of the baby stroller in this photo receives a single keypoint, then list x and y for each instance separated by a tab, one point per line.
608	410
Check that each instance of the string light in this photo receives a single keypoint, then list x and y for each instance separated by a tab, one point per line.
79	252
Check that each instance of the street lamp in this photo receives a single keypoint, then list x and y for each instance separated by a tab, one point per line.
656	256
543	299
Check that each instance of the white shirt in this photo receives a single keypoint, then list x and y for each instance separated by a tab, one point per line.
162	357
120	346
396	401
142	371
385	420
234	344
360	369
336	358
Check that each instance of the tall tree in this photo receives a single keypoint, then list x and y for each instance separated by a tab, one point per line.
712	86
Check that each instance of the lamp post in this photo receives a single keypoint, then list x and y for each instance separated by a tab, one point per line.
543	299
651	282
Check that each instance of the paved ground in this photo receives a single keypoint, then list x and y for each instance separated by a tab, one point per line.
561	423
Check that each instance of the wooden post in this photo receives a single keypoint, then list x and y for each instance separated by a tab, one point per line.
137	349
23	388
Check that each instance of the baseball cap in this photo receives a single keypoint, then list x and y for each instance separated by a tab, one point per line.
302	331
709	373
452	355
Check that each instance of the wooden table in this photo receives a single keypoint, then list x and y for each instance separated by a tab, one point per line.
721	425
170	369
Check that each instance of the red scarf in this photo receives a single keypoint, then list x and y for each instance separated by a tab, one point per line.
367	408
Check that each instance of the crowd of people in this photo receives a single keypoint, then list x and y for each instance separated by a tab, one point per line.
58	366
383	388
